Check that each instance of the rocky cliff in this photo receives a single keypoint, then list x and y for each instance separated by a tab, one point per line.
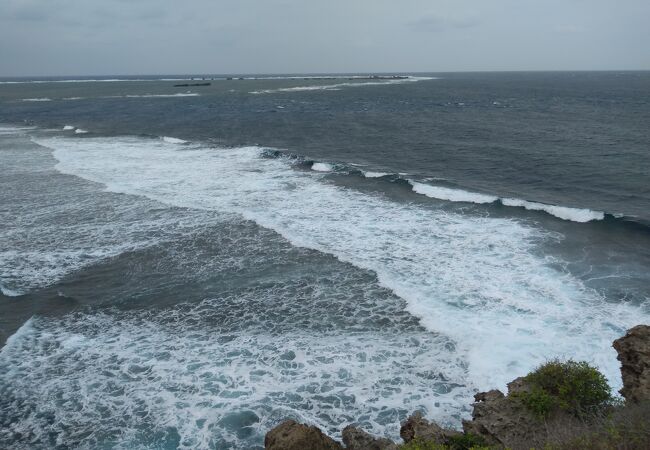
504	421
634	354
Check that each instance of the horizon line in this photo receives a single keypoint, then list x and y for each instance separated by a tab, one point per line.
233	74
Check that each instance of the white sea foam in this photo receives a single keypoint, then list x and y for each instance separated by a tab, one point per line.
454	195
338	86
322	167
173	140
320	77
45	236
179	94
459	195
113	80
562	212
9	292
80	131
477	280
68	128
96	379
14	130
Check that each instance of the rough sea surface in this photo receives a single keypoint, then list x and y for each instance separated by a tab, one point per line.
184	267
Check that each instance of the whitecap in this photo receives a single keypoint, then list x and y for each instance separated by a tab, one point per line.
173	140
322	167
68	128
454	195
43	99
561	212
80	131
370	174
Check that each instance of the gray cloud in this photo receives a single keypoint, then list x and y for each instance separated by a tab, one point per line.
437	23
76	37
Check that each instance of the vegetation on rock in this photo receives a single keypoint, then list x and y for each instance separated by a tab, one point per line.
465	442
571	386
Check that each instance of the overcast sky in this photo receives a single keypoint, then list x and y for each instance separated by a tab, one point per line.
95	37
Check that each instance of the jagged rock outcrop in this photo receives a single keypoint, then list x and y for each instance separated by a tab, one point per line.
634	354
357	439
417	427
291	435
506	422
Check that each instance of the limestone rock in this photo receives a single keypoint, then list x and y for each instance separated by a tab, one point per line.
417	427
357	439
503	421
634	354
291	435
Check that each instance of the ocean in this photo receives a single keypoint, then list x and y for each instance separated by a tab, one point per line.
186	266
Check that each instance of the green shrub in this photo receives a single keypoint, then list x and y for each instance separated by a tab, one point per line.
571	386
418	444
466	441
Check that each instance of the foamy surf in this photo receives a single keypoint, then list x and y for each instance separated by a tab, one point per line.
80	131
452	269
9	292
43	99
130	378
68	128
44	238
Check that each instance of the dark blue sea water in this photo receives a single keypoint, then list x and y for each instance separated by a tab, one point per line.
184	267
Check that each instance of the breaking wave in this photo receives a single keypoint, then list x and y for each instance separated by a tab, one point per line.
451	268
579	215
453	195
458	195
562	212
338	86
322	167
